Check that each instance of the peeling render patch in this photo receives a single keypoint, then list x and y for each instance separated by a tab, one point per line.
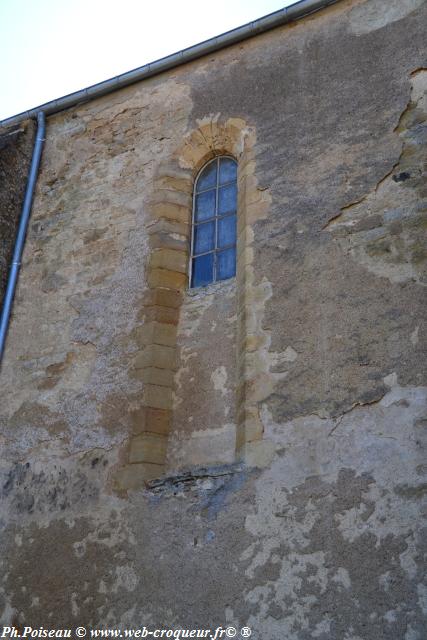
197	477
204	446
49	487
259	376
318	579
324	445
219	379
385	231
374	14
336	531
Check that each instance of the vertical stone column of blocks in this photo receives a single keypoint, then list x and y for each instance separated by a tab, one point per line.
248	426
252	339
168	232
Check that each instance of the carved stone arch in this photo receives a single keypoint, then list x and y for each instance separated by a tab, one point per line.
169	232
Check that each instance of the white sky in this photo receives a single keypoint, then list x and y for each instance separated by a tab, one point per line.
49	48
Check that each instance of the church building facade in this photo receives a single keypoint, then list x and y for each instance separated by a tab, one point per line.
213	388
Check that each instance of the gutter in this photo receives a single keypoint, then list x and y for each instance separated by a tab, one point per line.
22	231
278	18
272	20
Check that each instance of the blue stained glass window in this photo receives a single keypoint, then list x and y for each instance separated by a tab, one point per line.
202	273
207	179
205	205
226	267
227	170
227	199
204	237
227	231
213	252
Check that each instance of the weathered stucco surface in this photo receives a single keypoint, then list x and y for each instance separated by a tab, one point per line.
284	412
204	423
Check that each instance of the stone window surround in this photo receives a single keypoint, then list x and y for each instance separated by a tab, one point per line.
169	233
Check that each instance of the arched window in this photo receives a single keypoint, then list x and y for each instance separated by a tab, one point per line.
213	238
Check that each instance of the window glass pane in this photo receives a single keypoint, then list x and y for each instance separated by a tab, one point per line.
204	237
227	199
205	205
226	264
226	231
207	178
227	170
202	272
214	242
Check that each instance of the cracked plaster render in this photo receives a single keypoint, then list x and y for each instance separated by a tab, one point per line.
321	534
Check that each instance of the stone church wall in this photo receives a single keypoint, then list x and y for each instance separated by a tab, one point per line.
250	453
15	156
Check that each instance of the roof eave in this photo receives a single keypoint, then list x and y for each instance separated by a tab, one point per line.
271	21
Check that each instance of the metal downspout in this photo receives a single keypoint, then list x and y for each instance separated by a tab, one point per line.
22	231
